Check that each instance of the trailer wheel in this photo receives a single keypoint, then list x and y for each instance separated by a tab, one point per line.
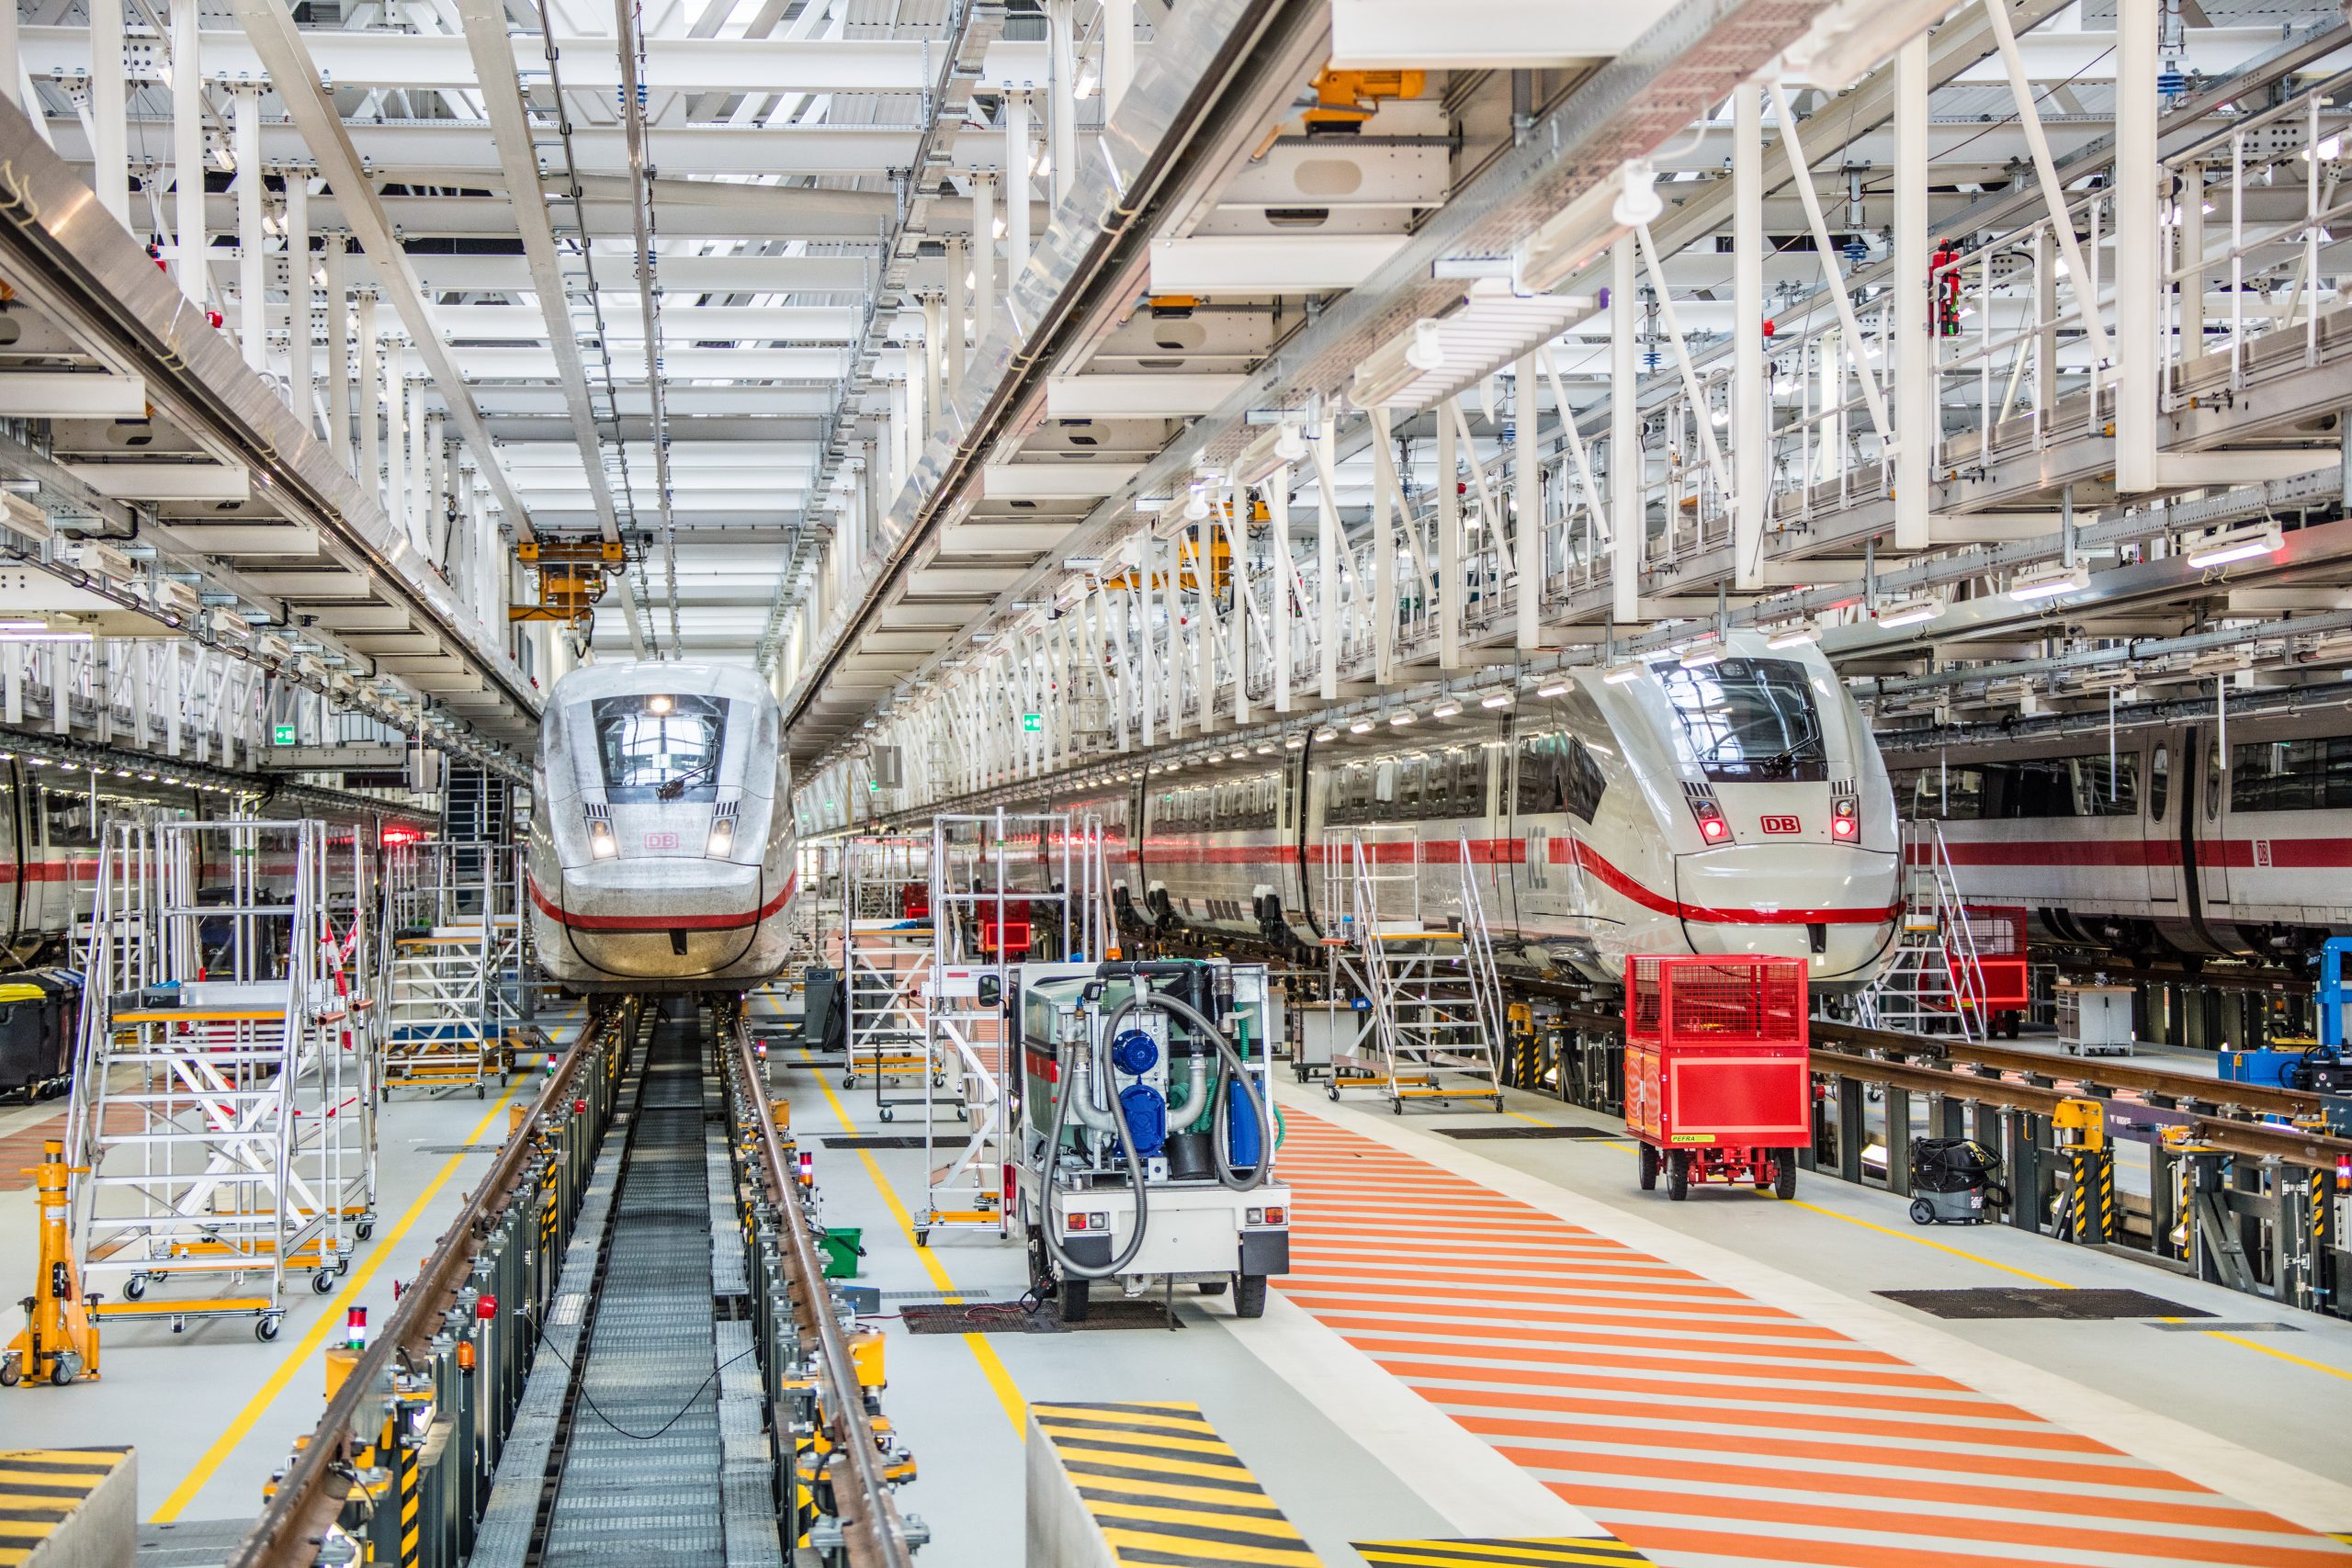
1922	1212
1646	1165
1249	1295
1784	1173
1678	1175
1074	1299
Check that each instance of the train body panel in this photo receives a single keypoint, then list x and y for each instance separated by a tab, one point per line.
661	856
1584	818
2187	843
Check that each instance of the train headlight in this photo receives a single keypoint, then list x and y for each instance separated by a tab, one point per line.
600	842
1845	818
722	840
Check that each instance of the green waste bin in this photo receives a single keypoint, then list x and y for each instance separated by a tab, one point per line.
844	1245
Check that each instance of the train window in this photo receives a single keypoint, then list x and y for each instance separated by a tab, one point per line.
651	742
2313	774
2212	780
2159	784
1956	794
1558	773
65	814
2102	791
1409	775
1748	719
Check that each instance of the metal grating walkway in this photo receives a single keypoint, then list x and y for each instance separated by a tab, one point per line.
629	1497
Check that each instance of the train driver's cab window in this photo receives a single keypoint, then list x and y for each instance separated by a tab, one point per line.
1748	721
656	746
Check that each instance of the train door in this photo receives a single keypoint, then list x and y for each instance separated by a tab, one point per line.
2157	836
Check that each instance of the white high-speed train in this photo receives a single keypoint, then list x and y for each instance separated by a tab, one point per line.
2179	846
661	855
1738	807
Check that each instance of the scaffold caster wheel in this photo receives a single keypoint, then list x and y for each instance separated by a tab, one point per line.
849	1081
64	1370
922	1238
322	1281
886	1113
1645	1166
10	1375
1395	1107
343	1265
134	1287
481	1091
266	1328
366	1228
1922	1212
1334	1092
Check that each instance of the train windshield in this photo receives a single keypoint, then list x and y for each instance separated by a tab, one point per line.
1748	721
657	747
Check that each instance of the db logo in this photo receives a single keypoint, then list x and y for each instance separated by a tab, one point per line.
670	841
1781	825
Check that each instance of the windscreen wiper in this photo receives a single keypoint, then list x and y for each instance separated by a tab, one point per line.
676	788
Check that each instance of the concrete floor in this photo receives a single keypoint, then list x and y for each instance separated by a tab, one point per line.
213	1411
1356	1445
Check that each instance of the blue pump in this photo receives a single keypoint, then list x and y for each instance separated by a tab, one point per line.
1145	1110
1134	1052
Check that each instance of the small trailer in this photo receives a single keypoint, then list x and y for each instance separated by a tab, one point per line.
1717	1070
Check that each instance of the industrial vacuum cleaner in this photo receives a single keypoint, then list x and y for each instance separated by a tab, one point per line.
1148	1137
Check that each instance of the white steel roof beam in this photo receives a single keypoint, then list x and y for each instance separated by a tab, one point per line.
498	65
1497	35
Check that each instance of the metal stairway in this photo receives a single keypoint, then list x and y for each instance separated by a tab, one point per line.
1927	988
1430	984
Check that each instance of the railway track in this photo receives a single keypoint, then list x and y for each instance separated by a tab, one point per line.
623	1353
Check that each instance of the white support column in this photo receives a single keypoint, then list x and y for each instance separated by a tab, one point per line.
14	85
369	401
958	312
301	386
1916	432
1205	619
2139	267
439	536
1172	608
419	472
1328	542
1016	189
190	239
983	256
2045	169
109	124
252	335
1751	410
1385	503
2190	194
338	355
1450	590
1061	99
142	655
1118	53
1237	626
1527	492
1146	649
173	669
1628	527
12	663
395	443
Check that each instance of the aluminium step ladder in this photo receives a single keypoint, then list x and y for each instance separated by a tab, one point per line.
1933	984
1426	980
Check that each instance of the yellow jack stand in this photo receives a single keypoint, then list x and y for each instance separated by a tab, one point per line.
60	1342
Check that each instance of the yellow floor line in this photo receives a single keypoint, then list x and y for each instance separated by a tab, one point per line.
2281	1355
1939	1246
307	1348
992	1367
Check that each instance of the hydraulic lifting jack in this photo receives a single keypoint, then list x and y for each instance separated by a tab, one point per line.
60	1342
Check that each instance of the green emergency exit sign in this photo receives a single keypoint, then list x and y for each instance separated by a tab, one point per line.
1032	722
283	735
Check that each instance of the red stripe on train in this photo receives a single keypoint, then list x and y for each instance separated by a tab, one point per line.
557	913
2252	853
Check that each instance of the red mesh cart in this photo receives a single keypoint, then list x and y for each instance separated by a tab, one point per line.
1988	962
1717	1082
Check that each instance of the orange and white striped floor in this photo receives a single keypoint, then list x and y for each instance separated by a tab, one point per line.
1699	1422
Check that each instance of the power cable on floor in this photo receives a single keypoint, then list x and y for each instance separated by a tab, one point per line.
589	1400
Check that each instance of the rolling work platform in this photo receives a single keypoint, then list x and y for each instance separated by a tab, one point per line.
886	967
223	1119
451	928
1427	977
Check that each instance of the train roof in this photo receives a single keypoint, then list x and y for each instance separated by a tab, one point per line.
735	683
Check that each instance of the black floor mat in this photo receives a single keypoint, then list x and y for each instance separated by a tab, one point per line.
1011	1317
2076	1306
1575	1132
876	1141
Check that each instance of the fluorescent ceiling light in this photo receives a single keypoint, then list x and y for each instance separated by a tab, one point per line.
1499	700
1401	718
1910	612
1705	651
1445	709
1360	727
2241	544
1327	733
2049	582
1623	671
1552	689
1796	634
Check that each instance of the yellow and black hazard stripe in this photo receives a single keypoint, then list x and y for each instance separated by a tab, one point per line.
1548	1553
39	1487
1164	1489
411	1479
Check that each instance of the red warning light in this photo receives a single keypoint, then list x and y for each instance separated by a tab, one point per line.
401	835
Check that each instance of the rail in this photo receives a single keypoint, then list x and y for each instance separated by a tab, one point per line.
304	1505
873	1533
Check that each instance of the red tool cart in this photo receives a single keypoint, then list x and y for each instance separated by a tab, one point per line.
1717	1082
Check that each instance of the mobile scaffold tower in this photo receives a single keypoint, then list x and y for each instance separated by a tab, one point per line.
885	954
1005	888
219	1118
444	902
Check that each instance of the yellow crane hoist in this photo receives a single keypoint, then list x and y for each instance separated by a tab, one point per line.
571	577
